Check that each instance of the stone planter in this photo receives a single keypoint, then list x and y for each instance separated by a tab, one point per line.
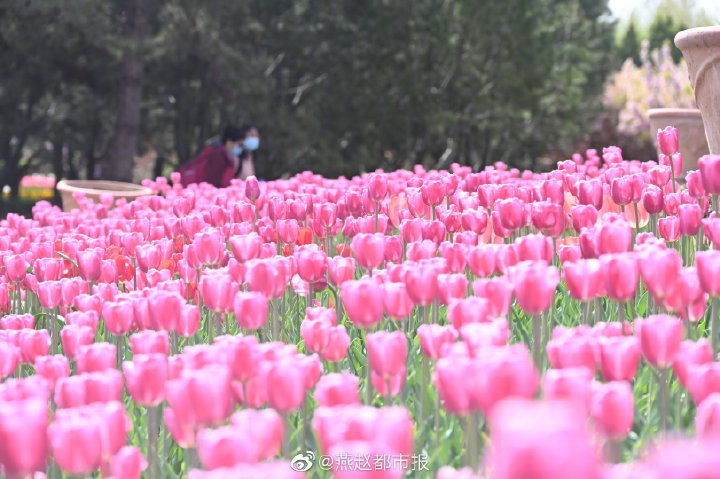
93	189
701	49
689	123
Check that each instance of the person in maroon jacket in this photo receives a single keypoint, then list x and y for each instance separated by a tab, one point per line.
216	164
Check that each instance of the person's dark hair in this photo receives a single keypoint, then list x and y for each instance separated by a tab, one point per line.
232	133
246	128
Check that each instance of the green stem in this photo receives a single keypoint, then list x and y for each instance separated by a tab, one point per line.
663	397
285	452
714	324
586	313
153	431
424	380
368	378
537	340
471	441
377	207
637	219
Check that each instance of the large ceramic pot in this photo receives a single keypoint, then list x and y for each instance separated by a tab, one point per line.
701	49
689	123
93	189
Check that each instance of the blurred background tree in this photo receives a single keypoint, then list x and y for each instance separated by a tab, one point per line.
336	86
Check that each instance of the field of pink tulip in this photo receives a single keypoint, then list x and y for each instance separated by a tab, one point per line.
450	324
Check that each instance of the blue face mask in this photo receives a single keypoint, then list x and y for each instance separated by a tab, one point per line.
252	143
236	150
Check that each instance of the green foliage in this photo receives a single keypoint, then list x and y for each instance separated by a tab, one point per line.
630	45
662	32
336	86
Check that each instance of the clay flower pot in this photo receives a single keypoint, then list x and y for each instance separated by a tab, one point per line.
701	49
689	123
93	189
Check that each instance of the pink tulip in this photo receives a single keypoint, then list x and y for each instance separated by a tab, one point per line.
218	291
481	261
209	246
511	212
669	228
619	357
668	141
711	229
584	216
690	216
23	430
311	263
433	339
709	166
695	188
708	270
571	384
387	352
534	284
571	351
707	417
51	368
48	269
83	318
337	389
615	237
498	293
128	463
541	440
251	310
584	279
396	301
612	409
474	220
432	192
150	342
652	199
369	250
148	256
590	192
363	302
340	269
691	353
286	385
245	247
118	316
659	269
468	310
89	264
50	294
16	267
621	275
199	397
226	446
96	357
660	338
9	359
33	344
74	337
702	380
377	186
145	378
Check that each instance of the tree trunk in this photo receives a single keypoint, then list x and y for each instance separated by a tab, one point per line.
127	126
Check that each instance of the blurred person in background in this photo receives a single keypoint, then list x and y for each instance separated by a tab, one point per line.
250	144
218	163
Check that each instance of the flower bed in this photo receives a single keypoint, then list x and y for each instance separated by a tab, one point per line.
498	324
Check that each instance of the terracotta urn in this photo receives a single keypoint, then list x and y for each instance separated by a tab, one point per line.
691	131
94	189
701	49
